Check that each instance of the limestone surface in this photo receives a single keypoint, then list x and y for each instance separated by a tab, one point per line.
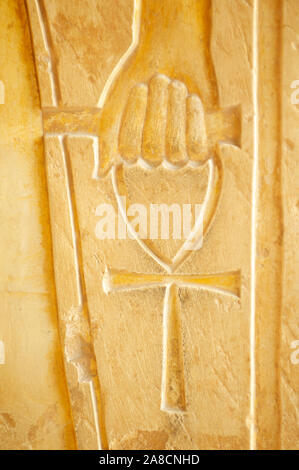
149	219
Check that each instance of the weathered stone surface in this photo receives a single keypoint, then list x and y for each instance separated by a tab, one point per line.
163	347
34	407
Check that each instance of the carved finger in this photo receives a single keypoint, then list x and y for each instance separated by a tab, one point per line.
196	129
176	123
153	149
130	135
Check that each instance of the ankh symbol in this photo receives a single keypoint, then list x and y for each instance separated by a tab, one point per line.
180	145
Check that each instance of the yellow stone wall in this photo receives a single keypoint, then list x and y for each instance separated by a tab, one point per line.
34	406
80	369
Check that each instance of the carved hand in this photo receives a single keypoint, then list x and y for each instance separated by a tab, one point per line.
158	121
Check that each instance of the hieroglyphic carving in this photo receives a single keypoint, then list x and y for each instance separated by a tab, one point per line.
173	386
165	126
200	85
73	315
162	123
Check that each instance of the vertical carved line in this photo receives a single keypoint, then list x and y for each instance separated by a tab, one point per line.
126	55
173	382
45	27
266	426
253	226
289	380
41	53
94	380
72	221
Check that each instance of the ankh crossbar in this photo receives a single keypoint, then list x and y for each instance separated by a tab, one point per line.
173	396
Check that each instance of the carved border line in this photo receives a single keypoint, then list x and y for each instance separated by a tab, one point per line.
182	254
267	225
